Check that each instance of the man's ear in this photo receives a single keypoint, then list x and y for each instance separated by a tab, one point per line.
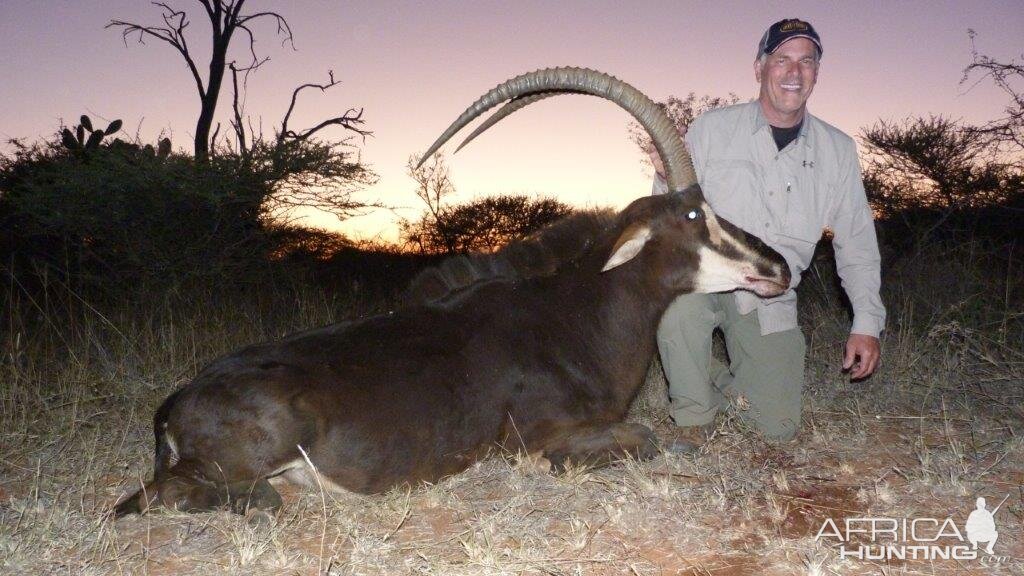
629	244
757	70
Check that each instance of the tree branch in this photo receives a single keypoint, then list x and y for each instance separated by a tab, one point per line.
1010	128
209	8
173	34
215	133
256	61
237	124
349	121
283	28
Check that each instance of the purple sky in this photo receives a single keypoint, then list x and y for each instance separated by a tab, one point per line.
414	66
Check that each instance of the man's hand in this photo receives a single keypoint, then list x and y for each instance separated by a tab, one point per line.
652	153
862	355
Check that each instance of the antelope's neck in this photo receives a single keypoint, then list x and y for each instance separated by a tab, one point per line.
618	316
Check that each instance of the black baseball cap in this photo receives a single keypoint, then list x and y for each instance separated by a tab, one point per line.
784	30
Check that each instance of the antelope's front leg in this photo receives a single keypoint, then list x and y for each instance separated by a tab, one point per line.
597	445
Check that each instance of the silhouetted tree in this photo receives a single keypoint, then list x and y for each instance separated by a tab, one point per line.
433	185
925	171
931	162
304	245
1007	131
682	112
481	225
226	19
300	169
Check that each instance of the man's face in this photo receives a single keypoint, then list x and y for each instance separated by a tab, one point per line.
787	78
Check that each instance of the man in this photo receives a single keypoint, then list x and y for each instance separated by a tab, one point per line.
981	526
776	171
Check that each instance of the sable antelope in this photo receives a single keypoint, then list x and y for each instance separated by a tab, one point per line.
540	355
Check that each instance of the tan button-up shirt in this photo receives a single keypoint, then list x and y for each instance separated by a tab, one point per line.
787	198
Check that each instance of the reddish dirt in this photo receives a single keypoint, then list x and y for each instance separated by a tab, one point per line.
808	508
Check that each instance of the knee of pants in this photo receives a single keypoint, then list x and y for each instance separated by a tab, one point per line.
689	313
778	356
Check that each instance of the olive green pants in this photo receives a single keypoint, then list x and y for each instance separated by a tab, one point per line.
766	370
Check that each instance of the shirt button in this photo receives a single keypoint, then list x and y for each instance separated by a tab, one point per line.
771	193
767	224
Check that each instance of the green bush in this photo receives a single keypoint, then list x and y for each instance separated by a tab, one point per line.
121	215
124	214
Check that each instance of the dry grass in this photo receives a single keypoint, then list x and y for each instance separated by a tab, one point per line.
939	425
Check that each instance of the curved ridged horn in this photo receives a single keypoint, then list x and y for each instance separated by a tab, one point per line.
532	86
503	112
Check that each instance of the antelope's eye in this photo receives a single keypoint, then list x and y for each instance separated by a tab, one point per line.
694	214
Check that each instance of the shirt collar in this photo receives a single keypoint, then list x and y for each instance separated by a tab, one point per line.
761	123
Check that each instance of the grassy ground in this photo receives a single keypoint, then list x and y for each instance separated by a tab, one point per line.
939	425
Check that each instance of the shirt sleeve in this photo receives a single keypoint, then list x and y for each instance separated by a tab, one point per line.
856	247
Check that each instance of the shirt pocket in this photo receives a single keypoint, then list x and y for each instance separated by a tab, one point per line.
805	218
730	187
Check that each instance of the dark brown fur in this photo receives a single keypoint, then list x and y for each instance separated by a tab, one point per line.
544	355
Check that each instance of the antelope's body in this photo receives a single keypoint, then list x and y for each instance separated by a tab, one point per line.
544	357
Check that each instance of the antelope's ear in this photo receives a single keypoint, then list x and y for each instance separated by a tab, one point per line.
628	245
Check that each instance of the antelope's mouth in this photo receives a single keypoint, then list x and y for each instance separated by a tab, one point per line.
766	287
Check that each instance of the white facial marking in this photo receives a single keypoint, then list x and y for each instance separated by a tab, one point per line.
717	273
719	236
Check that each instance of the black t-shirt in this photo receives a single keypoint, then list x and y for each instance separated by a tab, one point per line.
783	136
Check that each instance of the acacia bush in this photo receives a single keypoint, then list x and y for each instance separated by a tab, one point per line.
937	179
481	225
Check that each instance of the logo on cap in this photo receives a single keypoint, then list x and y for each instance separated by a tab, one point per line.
785	30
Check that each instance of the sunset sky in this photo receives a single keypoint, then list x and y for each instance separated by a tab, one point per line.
414	66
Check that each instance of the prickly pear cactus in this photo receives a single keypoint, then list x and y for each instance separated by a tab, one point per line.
85	138
78	141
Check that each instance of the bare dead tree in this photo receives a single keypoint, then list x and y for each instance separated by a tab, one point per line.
433	187
1008	77
682	111
226	19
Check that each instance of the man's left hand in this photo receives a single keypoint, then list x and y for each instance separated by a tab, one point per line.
862	355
